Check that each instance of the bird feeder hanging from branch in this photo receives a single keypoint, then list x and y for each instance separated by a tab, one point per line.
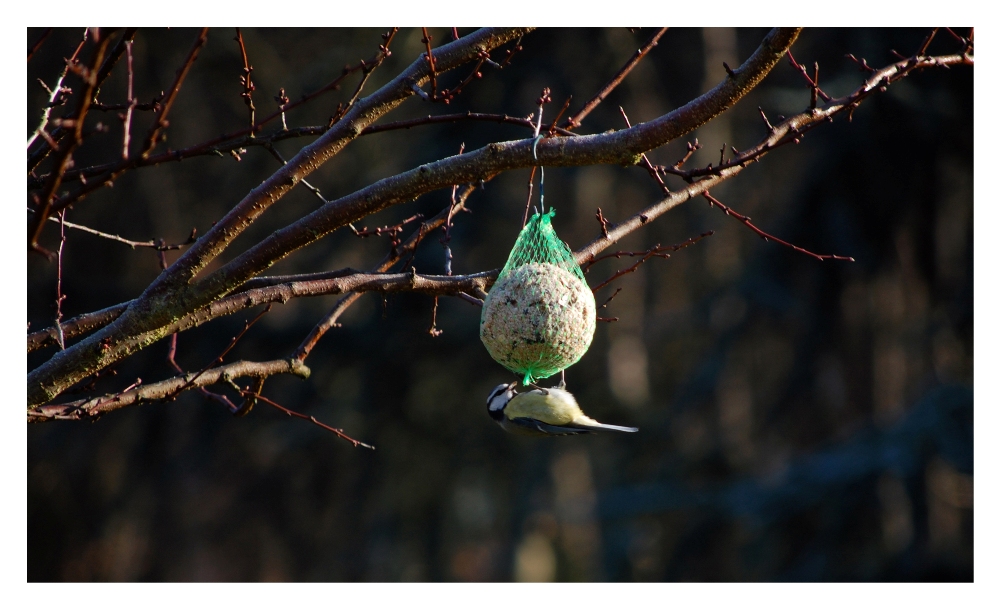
539	318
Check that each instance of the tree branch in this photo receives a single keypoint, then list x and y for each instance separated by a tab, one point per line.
364	112
94	407
622	147
169	297
88	355
65	154
575	120
82	324
218	146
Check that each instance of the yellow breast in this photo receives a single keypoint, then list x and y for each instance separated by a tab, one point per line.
557	407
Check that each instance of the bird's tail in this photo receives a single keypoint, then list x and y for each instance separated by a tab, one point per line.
617	428
593	425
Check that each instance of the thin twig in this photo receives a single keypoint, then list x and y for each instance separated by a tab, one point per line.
215	148
154	244
407	247
246	79
59	295
367	69
430	60
649	254
610	298
927	43
434	330
222	355
603	222
338	432
766	236
645	160
862	63
57	91
654	252
114	55
814	86
132	102
553	128
575	120
160	122
65	155
34	48
446	240
172	360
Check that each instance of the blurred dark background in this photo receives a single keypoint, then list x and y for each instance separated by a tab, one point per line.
799	420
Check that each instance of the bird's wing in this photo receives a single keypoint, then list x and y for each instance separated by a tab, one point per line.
546	429
543	407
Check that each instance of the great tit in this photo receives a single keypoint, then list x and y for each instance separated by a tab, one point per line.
542	412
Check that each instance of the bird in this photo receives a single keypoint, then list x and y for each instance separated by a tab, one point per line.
542	412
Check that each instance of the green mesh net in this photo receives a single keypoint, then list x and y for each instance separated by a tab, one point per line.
539	318
538	242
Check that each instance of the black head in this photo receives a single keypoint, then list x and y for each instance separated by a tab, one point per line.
498	399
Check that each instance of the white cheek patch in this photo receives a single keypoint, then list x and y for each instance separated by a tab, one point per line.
497	403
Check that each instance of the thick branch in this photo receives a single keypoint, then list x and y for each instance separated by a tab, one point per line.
407	248
364	113
216	147
791	127
87	322
622	147
168	298
440	285
93	407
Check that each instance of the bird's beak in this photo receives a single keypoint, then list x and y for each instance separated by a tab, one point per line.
511	386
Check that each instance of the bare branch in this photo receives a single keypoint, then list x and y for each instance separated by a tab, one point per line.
163	300
160	123
246	79
768	237
788	130
623	147
217	148
575	120
94	407
59	266
65	154
363	113
407	247
55	93
125	337
218	360
34	48
154	244
654	252
338	432
76	326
